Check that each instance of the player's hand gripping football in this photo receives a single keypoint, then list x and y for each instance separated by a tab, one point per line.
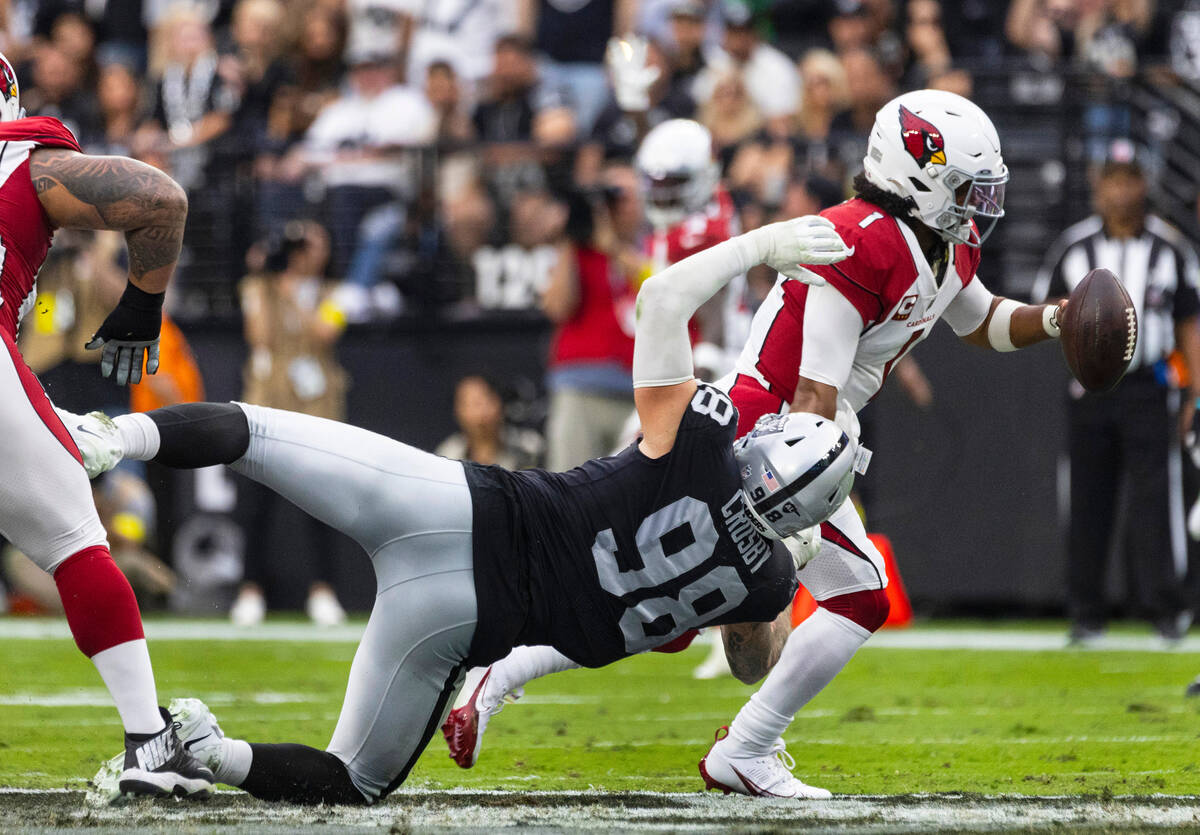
129	336
793	243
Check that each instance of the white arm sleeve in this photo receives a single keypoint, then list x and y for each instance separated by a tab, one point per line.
662	352
969	308
831	329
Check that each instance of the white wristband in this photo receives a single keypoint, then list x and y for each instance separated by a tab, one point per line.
1050	321
999	334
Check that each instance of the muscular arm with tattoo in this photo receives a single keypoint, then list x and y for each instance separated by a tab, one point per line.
92	192
753	648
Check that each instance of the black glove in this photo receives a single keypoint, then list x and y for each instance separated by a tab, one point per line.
130	335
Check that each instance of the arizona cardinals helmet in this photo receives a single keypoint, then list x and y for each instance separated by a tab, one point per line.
10	92
941	151
675	163
796	469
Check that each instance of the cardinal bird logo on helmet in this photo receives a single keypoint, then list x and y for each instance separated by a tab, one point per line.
921	139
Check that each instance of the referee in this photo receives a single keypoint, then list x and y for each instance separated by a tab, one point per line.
1133	433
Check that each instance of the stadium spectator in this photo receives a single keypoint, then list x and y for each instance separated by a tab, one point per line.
253	70
868	88
800	25
119	100
484	436
361	147
291	327
730	116
623	124
571	39
514	275
58	90
445	96
928	50
1108	37
687	49
524	120
770	76
1134	432
317	70
590	299
376	27
1184	43
73	35
462	33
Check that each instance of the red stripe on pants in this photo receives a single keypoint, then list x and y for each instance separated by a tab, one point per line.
38	399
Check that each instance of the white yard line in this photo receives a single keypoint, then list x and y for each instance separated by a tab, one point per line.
410	809
919	638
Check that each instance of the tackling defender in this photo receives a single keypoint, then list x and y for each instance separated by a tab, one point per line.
46	507
609	559
931	192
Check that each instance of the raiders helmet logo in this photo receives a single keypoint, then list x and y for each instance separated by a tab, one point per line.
921	139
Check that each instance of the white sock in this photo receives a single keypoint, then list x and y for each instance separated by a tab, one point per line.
815	652
520	667
236	757
129	678
139	436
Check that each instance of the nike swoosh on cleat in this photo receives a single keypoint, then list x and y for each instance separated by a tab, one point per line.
187	746
80	428
752	787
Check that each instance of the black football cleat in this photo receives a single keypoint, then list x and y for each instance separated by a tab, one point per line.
159	766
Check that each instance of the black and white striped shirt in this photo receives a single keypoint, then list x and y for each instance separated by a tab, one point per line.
1158	268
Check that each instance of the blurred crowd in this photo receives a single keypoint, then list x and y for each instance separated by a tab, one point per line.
436	141
355	161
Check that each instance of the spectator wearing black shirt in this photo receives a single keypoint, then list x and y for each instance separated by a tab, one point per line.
524	121
58	91
571	38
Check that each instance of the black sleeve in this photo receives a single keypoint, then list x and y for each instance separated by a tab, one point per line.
1187	301
711	415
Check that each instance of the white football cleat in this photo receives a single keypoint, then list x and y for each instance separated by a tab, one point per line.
249	609
198	730
756	775
97	437
716	665
464	726
324	609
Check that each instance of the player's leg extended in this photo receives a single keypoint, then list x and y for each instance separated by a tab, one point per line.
847	579
366	485
46	510
404	675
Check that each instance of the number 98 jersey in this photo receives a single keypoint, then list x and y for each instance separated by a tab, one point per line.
623	553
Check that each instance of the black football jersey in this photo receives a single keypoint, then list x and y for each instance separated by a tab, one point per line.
624	553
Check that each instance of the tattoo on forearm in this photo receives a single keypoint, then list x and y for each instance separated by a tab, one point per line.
116	193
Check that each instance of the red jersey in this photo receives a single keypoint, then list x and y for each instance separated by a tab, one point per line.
877	304
696	232
601	330
25	230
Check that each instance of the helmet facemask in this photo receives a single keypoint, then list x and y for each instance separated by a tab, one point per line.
978	205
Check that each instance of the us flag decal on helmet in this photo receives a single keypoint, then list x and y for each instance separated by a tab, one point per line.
921	139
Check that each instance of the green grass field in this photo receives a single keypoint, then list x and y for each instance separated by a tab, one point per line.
896	721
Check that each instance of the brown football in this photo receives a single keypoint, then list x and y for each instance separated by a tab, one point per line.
1099	331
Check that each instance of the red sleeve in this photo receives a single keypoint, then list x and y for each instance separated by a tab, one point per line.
966	260
881	269
46	131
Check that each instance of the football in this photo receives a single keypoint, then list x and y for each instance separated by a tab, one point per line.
1099	331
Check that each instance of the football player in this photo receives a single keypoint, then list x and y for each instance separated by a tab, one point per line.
472	560
931	191
46	507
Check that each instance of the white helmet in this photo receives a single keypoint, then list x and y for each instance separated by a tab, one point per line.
797	469
10	92
677	169
927	145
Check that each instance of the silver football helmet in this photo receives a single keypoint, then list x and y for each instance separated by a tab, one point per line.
678	173
796	469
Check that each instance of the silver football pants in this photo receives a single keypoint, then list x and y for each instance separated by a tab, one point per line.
411	512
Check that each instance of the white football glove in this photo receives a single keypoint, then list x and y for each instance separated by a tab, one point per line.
788	245
803	546
632	77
